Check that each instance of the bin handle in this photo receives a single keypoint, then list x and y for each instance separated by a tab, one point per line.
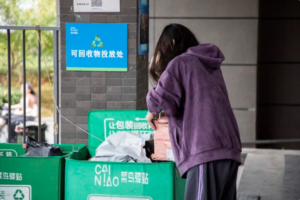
73	149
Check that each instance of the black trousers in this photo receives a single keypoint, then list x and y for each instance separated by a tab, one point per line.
214	180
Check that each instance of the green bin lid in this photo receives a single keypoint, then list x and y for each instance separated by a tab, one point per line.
102	123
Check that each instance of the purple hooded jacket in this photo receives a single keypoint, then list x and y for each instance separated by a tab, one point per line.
192	91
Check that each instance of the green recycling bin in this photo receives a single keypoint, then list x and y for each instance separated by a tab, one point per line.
33	178
100	180
11	150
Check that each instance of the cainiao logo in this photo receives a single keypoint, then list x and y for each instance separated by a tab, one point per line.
103	176
74	30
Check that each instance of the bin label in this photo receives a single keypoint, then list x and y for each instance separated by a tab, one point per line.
104	178
11	176
102	124
136	125
15	192
8	153
113	197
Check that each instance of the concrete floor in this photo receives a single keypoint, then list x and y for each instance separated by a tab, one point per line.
270	175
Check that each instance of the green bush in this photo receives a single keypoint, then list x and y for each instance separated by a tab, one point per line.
15	95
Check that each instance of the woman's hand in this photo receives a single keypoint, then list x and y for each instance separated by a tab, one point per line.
150	117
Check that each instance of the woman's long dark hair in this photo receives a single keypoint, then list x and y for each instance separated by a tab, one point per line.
30	86
174	40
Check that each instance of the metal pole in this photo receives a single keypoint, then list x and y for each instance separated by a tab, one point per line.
9	84
56	83
39	76
24	88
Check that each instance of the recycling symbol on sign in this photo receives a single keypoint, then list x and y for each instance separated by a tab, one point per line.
19	195
97	40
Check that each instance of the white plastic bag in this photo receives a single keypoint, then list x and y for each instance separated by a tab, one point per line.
122	147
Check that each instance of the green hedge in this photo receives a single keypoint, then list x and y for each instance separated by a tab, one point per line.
15	95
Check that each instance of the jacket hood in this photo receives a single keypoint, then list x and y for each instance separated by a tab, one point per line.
208	53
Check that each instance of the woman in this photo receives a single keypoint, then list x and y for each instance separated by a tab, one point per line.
31	110
203	129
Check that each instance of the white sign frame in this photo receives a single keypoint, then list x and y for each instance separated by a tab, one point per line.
98	6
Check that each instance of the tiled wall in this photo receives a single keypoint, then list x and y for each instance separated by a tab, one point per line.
279	72
85	91
259	39
232	25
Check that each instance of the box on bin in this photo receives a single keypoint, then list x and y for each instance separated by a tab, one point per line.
102	180
33	178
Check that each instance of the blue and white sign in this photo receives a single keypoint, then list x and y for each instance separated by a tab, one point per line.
96	47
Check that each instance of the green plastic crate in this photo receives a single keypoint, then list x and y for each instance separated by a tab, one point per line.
33	178
98	180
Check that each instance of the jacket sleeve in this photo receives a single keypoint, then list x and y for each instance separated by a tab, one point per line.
167	96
